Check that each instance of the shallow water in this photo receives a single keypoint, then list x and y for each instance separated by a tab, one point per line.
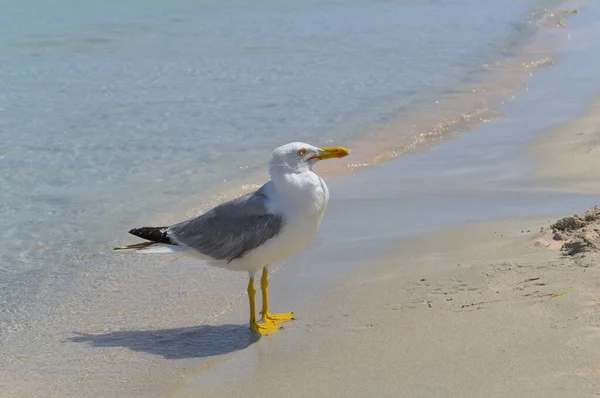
113	111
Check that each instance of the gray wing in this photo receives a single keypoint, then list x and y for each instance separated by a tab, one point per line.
232	229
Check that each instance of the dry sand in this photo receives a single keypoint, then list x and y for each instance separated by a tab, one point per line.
569	154
495	309
476	311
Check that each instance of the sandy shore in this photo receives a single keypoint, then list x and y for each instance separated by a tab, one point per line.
487	309
476	311
569	154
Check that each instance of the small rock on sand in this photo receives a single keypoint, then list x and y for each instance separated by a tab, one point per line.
578	233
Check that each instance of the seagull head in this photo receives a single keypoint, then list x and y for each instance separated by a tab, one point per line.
298	157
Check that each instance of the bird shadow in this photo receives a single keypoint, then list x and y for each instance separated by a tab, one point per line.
187	342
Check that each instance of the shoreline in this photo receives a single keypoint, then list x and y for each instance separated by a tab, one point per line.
468	106
496	316
479	309
509	327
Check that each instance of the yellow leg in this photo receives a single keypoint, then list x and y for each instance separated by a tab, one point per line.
260	328
266	316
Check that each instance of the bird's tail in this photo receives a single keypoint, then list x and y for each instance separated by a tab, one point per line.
136	246
152	248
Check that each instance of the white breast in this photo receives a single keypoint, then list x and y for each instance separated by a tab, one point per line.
300	195
301	199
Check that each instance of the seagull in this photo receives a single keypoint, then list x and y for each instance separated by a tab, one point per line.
253	231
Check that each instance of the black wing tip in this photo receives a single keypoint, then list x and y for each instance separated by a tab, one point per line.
153	234
141	230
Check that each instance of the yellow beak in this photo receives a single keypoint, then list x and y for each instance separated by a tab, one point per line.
329	153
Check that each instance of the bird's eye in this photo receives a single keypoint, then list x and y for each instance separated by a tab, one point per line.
301	152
